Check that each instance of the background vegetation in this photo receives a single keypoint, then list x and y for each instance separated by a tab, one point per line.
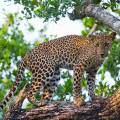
13	45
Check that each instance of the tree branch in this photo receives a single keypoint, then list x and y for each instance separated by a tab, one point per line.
99	14
112	106
92	29
99	109
60	111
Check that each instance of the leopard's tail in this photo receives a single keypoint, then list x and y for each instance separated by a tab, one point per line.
19	77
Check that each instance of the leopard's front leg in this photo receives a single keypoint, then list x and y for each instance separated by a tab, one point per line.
78	73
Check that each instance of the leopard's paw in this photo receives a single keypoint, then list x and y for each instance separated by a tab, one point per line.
78	101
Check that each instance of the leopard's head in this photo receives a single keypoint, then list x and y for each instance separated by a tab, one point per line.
103	44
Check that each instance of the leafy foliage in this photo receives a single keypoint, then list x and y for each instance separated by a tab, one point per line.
13	45
55	9
114	59
66	88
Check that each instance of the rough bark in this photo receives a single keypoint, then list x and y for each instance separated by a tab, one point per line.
99	14
112	107
66	111
59	111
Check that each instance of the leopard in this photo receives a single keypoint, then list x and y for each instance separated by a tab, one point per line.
72	52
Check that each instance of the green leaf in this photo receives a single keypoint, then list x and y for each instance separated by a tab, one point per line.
84	83
4	29
10	19
68	86
88	22
96	1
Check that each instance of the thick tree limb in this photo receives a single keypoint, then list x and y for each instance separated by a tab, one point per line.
98	13
60	111
112	106
99	109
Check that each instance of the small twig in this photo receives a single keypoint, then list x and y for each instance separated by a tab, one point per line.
92	29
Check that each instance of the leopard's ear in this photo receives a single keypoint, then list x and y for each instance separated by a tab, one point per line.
113	35
92	38
99	37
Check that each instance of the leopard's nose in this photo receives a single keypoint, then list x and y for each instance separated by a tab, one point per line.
102	55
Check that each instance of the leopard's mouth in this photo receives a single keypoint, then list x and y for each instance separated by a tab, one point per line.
102	55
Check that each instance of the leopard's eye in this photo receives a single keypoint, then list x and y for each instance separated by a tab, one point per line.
97	44
106	44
